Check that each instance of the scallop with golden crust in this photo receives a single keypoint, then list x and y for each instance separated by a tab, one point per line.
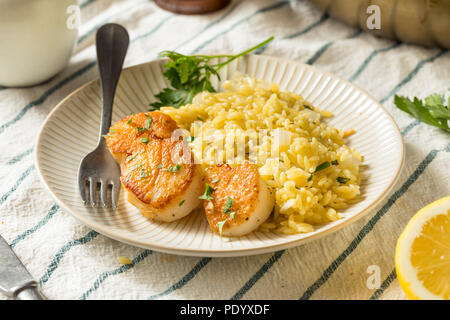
157	171
240	202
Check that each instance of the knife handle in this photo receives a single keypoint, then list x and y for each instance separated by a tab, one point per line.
30	292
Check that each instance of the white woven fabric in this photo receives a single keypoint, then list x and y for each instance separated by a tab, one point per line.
73	262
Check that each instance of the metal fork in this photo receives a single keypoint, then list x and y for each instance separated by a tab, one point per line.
98	170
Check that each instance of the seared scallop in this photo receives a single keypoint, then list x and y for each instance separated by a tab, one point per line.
236	200
126	136
157	172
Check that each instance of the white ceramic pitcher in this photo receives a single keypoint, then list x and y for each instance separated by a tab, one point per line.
37	38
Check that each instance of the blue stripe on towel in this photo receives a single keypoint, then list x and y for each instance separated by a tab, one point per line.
386	283
19	157
144	254
190	275
36	227
369	59
19	181
54	264
325	47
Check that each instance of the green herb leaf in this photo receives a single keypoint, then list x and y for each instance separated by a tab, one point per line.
189	75
136	166
181	203
143	174
431	111
208	191
232	214
342	180
228	205
215	180
310	178
139	129
134	155
175	168
323	166
220	226
130	120
145	140
148	123
334	162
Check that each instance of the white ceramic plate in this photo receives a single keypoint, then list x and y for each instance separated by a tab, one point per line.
71	130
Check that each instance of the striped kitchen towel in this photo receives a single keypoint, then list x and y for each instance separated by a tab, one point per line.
73	262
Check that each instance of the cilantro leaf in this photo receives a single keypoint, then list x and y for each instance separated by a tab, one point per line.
431	111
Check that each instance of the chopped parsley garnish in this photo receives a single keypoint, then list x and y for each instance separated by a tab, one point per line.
200	119
190	139
334	162
228	205
175	168
220	226
208	191
148	123
130	120
134	155
145	140
215	180
139	129
322	166
232	214
136	166
342	180
143	174
310	178
189	75
181	203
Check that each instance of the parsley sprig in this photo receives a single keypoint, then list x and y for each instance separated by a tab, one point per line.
208	191
189	75
435	110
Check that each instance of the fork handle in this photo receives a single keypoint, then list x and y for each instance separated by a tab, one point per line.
112	42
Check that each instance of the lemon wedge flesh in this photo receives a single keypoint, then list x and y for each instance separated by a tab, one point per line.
422	255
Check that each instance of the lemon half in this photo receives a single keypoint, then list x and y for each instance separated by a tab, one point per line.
422	255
